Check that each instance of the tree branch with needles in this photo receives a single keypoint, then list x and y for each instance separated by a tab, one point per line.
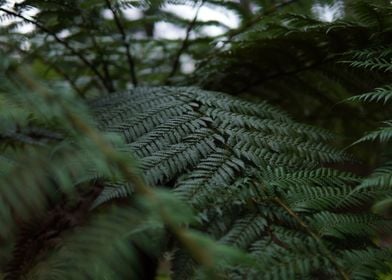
62	42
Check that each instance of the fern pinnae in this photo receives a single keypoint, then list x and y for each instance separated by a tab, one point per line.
146	121
303	198
309	150
122	110
167	163
379	64
111	192
356	261
265	156
381	95
217	169
343	225
383	134
233	105
268	126
378	184
284	178
278	160
244	231
169	133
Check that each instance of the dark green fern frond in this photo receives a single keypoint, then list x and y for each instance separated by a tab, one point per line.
244	231
379	64
383	134
251	175
382	95
378	185
317	177
186	179
356	260
111	192
345	225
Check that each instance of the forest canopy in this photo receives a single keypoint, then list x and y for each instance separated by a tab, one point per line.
205	139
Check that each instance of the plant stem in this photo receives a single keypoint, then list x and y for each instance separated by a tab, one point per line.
184	46
131	63
328	255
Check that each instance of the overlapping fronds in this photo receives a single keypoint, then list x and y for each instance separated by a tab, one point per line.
55	218
383	94
75	204
379	183
253	178
294	61
374	59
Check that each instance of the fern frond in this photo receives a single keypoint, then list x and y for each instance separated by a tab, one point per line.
357	262
318	177
383	134
343	225
317	198
217	169
111	192
381	177
378	64
163	165
383	95
250	176
244	231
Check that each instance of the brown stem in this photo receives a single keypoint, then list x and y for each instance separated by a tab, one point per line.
65	76
184	46
120	28
105	66
328	255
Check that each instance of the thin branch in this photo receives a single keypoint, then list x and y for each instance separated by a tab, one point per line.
65	76
105	66
120	28
51	65
287	73
62	42
258	17
184	46
305	227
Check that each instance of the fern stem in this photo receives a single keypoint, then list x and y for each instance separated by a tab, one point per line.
120	28
342	273
62	42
